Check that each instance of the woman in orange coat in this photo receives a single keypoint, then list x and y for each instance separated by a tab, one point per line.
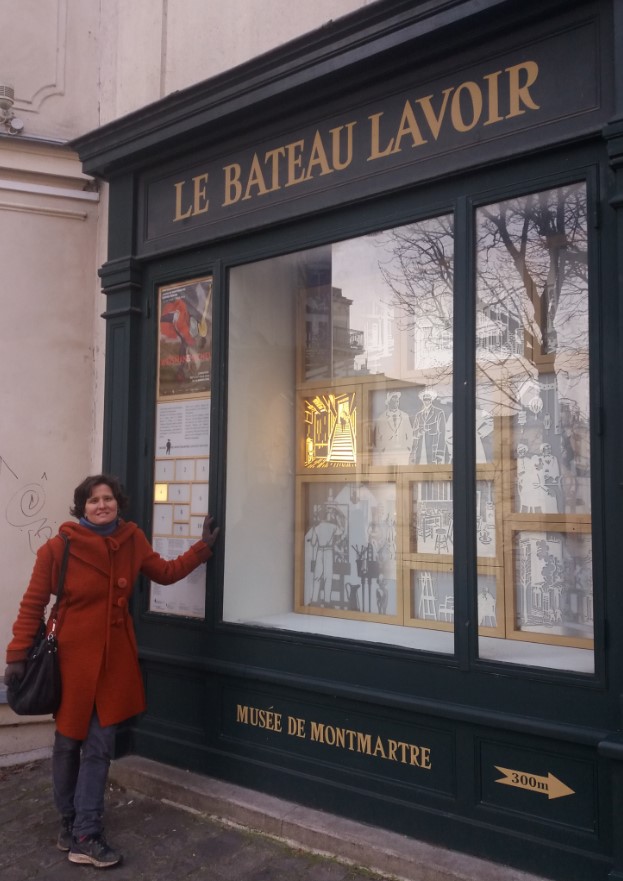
98	658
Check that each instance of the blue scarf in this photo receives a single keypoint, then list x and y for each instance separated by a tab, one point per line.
104	529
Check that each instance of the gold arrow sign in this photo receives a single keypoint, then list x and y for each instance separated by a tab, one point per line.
550	785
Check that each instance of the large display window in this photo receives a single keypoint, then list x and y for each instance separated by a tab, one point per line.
532	367
341	439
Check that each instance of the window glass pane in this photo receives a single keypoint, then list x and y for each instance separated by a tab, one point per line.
339	481
532	367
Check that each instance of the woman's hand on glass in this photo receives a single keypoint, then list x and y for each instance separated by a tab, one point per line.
210	531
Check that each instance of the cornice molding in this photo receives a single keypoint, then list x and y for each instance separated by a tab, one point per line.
391	32
41	210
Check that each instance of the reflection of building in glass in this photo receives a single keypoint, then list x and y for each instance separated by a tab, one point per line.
331	345
554	582
499	332
330	431
380	339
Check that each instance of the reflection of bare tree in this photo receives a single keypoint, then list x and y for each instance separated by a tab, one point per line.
531	287
543	237
419	271
531	323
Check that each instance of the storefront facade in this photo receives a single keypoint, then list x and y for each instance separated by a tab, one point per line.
362	304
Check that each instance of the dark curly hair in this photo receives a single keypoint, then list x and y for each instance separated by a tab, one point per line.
83	491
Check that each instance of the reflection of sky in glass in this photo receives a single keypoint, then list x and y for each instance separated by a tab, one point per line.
542	239
554	262
356	272
370	272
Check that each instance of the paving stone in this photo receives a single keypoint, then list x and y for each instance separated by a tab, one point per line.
163	841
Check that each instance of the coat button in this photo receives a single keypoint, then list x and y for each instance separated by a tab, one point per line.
122	582
122	602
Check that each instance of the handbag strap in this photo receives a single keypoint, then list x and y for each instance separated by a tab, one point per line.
61	578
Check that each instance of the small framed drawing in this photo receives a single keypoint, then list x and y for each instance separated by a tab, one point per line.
328	430
430	598
348	549
430	517
409	425
549	582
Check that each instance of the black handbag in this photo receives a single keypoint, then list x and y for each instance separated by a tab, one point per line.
38	692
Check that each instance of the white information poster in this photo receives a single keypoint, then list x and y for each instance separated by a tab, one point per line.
183	429
186	597
182	438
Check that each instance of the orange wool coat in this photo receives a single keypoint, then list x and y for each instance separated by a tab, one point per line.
97	647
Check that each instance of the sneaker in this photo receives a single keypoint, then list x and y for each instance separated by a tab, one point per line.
63	842
93	851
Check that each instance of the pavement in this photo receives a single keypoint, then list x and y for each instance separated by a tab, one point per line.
174	825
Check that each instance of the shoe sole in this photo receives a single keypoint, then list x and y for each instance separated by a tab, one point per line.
64	847
84	859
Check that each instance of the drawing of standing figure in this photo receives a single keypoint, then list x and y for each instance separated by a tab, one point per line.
393	433
429	432
323	538
486	608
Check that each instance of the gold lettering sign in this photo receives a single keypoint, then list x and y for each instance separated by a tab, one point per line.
362	742
485	101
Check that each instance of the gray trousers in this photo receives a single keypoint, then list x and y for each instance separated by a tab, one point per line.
79	775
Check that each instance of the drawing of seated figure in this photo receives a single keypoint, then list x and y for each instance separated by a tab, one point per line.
393	433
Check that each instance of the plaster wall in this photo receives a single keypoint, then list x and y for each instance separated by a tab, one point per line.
159	46
47	229
74	65
49	54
